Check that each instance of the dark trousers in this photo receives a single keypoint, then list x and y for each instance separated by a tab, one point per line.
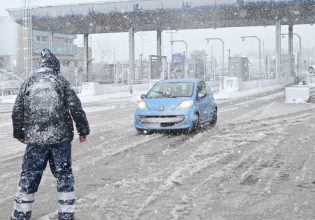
34	163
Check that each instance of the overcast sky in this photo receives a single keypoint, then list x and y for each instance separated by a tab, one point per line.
146	41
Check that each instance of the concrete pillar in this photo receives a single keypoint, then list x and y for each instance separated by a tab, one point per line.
131	73
86	56
290	49
159	50
299	62
278	49
150	68
159	42
50	41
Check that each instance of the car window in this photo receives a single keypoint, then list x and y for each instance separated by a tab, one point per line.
209	92
171	90
202	88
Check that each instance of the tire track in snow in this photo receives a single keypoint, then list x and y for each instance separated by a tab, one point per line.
253	166
257	150
202	159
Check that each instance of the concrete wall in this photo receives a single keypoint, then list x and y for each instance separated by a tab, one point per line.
247	85
299	93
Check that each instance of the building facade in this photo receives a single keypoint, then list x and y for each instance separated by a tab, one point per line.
62	45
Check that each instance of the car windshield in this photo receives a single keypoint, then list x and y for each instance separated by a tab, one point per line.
171	90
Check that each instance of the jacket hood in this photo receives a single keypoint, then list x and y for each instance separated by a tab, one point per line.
48	59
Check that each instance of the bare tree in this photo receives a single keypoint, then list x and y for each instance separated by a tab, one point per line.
104	52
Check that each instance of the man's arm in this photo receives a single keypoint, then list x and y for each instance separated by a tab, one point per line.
77	113
18	115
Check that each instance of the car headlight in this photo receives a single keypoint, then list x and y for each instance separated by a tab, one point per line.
186	104
142	105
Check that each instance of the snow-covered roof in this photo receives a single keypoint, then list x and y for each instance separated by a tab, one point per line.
147	15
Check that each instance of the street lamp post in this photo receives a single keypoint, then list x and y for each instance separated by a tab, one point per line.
172	38
300	51
259	41
222	73
219	39
182	41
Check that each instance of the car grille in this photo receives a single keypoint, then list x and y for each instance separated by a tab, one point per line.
163	121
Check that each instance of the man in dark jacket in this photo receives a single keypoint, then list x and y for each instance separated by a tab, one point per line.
42	119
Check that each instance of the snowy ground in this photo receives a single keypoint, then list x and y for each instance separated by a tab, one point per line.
257	163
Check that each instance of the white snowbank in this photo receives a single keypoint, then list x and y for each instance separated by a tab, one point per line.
231	94
104	98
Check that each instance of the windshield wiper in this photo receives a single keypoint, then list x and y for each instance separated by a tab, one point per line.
162	93
165	94
169	96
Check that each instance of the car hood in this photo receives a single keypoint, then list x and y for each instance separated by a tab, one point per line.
164	103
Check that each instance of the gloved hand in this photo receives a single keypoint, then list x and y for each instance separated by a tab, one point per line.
83	138
22	141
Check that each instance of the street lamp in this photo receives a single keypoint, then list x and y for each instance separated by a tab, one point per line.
219	39
300	50
259	41
182	41
172	38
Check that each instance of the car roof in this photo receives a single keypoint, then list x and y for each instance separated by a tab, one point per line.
181	80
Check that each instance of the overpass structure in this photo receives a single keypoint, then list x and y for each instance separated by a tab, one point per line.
160	15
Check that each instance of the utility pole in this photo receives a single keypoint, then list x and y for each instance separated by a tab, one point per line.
278	50
27	37
141	67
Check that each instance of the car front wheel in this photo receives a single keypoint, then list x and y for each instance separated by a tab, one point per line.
140	131
214	118
195	124
143	131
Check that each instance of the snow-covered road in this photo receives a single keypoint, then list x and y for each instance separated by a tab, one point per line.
257	163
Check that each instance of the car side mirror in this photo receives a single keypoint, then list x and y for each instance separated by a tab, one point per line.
142	96
201	95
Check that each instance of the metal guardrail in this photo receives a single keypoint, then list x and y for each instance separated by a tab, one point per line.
9	91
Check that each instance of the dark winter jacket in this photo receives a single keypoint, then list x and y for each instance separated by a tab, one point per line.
45	107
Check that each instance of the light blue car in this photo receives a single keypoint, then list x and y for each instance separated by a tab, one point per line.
182	104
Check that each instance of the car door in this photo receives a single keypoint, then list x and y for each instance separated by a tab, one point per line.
203	102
